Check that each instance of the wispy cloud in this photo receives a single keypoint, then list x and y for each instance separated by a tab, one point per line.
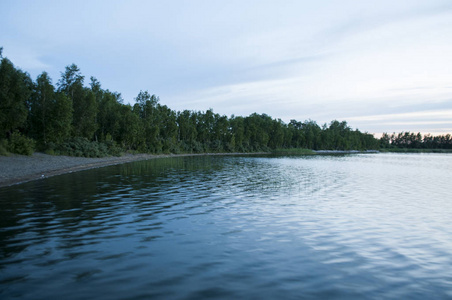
424	115
292	59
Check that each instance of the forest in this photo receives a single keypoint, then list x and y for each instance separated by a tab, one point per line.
410	140
78	119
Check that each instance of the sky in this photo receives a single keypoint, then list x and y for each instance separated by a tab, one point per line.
382	66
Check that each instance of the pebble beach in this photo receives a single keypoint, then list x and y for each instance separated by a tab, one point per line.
15	169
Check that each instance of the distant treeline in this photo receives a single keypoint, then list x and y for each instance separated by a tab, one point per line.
74	119
409	140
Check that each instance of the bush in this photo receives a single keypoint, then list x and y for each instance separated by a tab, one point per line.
79	147
113	148
3	148
21	144
83	147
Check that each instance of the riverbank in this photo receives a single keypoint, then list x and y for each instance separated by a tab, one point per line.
16	169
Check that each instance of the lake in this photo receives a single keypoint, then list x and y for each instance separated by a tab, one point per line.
251	227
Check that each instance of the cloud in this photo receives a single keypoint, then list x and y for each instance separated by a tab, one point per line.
446	115
292	59
425	121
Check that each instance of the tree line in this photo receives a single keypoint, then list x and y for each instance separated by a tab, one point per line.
86	120
410	140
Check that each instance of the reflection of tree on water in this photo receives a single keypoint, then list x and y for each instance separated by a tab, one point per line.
193	221
68	202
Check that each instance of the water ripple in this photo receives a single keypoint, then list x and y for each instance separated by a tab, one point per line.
360	226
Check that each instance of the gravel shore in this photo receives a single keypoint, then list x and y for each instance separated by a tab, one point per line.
16	169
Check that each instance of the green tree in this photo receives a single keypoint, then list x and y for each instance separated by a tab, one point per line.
311	132
131	133
71	81
15	91
83	102
385	140
109	115
257	132
220	133
41	107
60	120
338	136
50	112
186	123
276	134
297	138
85	114
147	108
168	129
238	133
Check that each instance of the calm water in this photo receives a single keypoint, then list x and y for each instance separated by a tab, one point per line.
359	226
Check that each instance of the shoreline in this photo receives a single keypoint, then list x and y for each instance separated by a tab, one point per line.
17	169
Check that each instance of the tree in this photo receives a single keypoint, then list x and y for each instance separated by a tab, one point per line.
15	91
50	112
85	113
61	120
297	138
385	141
131	133
257	131
168	129
204	128
338	136
83	102
147	103
41	107
71	81
109	115
238	133
96	88
276	134
186	123
311	132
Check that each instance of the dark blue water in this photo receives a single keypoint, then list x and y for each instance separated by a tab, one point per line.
359	226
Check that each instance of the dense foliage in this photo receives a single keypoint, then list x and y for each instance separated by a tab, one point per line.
80	120
409	140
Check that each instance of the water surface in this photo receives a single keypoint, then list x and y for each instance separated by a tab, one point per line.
358	226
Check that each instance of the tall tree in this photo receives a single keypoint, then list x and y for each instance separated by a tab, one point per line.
15	90
85	113
186	123
50	112
109	115
71	81
41	107
83	102
61	120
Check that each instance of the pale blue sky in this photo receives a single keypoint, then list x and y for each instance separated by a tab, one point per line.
382	66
